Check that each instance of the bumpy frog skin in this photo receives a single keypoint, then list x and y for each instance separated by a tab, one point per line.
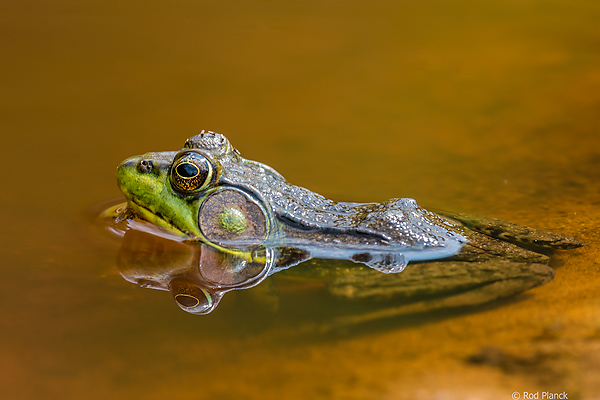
208	193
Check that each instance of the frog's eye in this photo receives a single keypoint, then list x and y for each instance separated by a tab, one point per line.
191	172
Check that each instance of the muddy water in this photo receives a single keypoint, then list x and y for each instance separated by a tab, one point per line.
488	108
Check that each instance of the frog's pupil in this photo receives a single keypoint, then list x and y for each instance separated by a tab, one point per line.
186	170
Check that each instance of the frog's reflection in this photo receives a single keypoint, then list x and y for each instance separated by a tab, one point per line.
196	274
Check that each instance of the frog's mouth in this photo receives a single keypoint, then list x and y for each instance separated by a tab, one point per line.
155	218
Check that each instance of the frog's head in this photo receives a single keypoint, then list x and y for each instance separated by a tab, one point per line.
182	192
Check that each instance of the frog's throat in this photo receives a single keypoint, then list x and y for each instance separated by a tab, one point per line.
147	215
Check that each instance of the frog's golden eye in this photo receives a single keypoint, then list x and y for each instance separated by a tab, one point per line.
191	172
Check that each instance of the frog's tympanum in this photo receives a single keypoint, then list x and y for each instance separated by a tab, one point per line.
235	222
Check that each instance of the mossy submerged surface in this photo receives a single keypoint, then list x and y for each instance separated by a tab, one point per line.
485	109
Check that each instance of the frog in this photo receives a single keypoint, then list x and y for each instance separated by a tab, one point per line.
207	195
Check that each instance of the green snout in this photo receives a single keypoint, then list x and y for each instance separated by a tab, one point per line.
144	181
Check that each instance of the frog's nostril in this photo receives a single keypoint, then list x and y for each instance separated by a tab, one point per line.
144	166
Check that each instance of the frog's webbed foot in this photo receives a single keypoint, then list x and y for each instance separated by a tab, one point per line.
388	263
481	247
514	233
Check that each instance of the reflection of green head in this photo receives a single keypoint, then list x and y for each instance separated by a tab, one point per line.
196	274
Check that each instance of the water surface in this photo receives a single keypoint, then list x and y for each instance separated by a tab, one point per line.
487	108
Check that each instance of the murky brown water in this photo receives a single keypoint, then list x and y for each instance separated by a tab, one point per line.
489	108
